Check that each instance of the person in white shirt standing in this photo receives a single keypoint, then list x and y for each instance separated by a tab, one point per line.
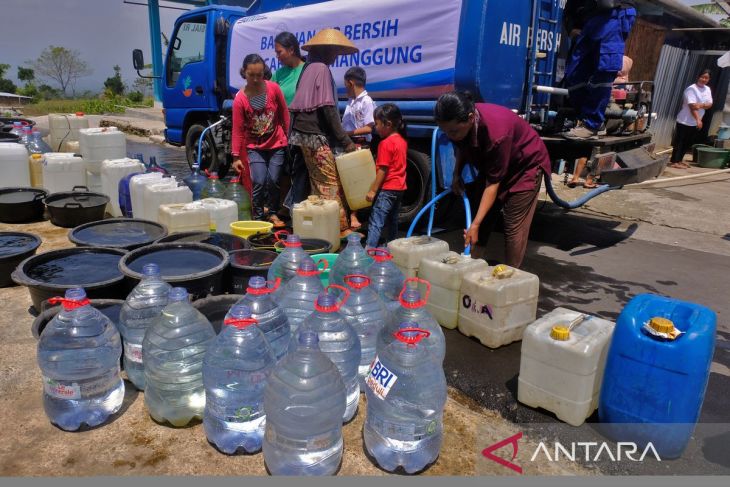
358	119
697	98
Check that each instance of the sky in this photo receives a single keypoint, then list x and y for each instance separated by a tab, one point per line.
103	31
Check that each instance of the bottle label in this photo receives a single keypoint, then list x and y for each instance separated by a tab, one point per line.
83	388
319	442
61	390
237	415
133	352
380	380
408	433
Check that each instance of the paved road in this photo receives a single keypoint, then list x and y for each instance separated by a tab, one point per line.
596	265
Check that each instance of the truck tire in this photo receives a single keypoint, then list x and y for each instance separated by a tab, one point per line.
209	154
418	171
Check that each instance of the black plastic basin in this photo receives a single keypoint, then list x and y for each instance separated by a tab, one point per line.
70	209
120	233
96	269
110	307
246	264
15	247
226	241
197	267
215	308
21	205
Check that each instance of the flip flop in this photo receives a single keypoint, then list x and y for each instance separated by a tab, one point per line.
572	184
277	223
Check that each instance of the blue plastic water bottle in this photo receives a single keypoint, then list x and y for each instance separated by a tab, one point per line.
352	260
78	354
196	182
406	395
338	340
142	307
173	351
235	370
297	299
304	402
271	319
287	262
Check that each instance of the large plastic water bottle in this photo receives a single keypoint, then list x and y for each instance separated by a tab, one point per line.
299	295
406	395
37	145
78	354
173	351
352	260
26	136
338	340
304	400
271	319
385	278
367	314
235	370
142	307
213	188
17	129
238	194
196	182
287	262
413	309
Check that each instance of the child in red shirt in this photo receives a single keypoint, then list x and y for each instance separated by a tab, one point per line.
390	178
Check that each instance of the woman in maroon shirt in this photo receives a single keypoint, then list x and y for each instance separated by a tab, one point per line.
260	125
510	158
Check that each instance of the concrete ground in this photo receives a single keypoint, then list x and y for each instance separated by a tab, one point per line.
671	239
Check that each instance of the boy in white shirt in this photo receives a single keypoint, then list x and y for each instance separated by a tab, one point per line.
358	119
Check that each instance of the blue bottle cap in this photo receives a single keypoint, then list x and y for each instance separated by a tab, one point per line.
240	311
309	339
150	270
75	294
257	282
178	294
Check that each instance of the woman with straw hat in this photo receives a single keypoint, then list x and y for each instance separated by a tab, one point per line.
316	127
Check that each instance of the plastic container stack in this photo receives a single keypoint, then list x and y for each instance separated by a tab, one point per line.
299	295
339	342
173	351
221	213
163	193
271	319
367	314
352	260
97	145
235	370
408	252
112	172
78	354
562	362
14	164
304	402
316	217
136	191
406	396
65	128
498	304
63	171
183	218
141	309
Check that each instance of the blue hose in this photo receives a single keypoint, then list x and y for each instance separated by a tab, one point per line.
431	204
434	138
571	205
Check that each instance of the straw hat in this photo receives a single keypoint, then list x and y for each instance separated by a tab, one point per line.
331	37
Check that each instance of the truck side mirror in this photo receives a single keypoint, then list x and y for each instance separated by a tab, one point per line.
138	59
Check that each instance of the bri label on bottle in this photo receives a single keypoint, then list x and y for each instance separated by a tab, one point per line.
380	380
61	391
133	352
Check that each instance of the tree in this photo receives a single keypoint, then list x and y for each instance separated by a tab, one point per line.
143	85
6	85
62	66
26	74
114	84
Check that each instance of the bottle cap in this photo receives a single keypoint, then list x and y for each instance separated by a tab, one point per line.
257	285
36	156
74	298
327	302
240	317
240	311
150	270
178	294
662	325
502	271
292	240
79	114
560	333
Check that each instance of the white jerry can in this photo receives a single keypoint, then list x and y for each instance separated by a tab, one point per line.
408	252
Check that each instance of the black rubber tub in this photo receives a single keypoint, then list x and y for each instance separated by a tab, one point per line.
215	308
15	247
96	269
197	267
8	137
118	233
6	123
246	264
70	209
110	307
263	241
226	241
21	205
312	246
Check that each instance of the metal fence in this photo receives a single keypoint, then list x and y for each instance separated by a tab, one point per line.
678	68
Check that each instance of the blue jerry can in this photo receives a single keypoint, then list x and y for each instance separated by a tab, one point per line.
656	373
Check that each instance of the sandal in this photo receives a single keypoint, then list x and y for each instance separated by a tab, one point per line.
277	223
572	184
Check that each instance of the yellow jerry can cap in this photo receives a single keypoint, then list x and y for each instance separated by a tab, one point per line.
662	325
560	333
35	156
502	271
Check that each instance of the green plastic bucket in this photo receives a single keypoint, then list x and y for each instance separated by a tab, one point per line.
330	258
712	158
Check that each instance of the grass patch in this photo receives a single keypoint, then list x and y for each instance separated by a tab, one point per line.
92	106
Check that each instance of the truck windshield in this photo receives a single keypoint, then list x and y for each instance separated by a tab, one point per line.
188	46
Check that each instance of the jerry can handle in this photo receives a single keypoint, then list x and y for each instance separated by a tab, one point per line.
411	336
